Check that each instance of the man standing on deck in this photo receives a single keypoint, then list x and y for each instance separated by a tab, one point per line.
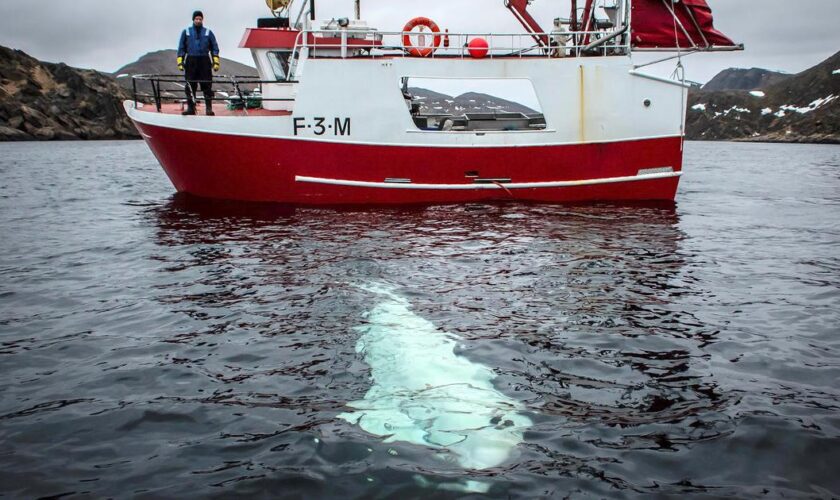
195	48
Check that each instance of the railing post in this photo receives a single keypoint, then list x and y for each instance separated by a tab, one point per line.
156	91
239	94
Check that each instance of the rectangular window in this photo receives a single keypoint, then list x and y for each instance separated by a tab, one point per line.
279	61
473	104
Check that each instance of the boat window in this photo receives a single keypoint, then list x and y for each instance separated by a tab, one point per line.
279	61
473	104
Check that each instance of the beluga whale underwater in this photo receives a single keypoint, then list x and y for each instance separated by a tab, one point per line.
423	393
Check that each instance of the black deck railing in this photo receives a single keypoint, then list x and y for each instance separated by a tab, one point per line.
179	91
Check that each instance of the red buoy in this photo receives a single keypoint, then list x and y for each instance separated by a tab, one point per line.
478	48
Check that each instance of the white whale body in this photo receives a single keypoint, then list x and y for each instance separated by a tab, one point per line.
425	394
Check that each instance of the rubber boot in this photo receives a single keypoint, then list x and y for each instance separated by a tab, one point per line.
209	105
190	111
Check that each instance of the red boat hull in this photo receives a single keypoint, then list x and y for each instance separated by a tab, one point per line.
270	170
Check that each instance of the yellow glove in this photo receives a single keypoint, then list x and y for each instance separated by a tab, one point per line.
180	64
217	63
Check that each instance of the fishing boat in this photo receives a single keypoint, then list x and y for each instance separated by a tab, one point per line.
344	113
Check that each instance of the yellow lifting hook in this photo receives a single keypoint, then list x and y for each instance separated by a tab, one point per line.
277	4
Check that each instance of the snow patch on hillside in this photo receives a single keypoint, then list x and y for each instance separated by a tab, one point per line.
816	104
699	107
757	93
733	109
737	110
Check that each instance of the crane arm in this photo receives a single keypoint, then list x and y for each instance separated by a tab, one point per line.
519	8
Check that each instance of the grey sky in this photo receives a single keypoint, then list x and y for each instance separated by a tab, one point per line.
106	34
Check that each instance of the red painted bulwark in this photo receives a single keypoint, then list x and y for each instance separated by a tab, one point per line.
281	38
269	38
264	169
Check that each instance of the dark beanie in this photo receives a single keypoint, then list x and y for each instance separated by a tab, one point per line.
197	14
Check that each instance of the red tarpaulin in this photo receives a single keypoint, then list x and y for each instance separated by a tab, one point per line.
653	25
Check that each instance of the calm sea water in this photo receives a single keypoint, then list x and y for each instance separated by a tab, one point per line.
157	346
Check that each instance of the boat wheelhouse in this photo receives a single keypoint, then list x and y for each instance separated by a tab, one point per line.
343	113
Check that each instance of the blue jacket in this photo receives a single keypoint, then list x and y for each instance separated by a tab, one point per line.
199	44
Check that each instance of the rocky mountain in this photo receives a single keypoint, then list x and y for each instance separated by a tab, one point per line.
744	79
470	102
800	108
46	101
163	62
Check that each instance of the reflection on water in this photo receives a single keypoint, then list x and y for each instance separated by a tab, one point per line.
175	347
566	314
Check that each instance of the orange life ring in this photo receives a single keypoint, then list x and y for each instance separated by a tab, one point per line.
421	51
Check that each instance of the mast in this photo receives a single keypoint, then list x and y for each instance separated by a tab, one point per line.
358	9
588	17
628	20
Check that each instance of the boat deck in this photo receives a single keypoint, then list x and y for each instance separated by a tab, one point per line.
219	108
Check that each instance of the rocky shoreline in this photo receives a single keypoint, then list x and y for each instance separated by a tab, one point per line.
41	101
45	101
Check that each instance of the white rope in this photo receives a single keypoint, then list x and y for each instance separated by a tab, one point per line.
679	73
676	34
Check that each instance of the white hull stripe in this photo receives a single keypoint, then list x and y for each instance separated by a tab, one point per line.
521	185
